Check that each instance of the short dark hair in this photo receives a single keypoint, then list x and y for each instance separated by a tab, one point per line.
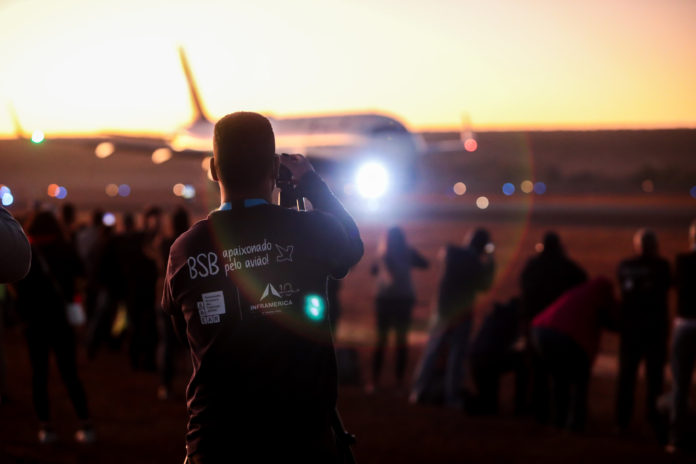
244	147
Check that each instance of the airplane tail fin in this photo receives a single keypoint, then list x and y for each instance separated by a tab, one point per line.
199	112
19	130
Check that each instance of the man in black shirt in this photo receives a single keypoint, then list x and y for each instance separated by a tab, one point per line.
644	281
684	343
247	286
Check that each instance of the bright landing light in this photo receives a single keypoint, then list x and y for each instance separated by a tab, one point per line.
372	180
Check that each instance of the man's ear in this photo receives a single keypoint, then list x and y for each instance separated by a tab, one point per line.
213	171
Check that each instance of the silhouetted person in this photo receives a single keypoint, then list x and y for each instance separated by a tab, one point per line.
42	298
67	218
468	270
142	261
247	287
395	299
15	258
644	280
88	243
545	277
684	344
566	336
495	351
15	252
167	342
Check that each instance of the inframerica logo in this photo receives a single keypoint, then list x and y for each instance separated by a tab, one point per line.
270	289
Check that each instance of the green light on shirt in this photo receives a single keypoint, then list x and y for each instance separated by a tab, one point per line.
314	307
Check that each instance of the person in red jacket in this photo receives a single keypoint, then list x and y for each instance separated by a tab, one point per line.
566	337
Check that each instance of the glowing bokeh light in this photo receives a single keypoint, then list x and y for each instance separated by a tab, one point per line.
104	150
178	189
539	247
508	188
459	188
188	192
527	186
62	192
7	199
112	190
372	180
489	248
540	188
108	219
692	192
482	202
648	186
52	190
37	136
4	189
124	190
161	155
470	145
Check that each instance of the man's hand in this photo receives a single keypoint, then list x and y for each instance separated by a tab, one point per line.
297	164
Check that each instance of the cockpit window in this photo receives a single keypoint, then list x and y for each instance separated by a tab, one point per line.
392	127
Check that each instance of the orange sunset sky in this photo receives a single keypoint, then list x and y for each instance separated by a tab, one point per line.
75	66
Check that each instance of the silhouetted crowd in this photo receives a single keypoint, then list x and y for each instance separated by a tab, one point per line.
549	336
108	281
103	282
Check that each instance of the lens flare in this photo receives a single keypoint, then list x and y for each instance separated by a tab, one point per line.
314	307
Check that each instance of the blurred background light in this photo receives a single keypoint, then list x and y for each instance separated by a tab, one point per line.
104	150
112	190
7	199
37	136
109	219
459	188
540	188
124	190
508	188
527	186
482	202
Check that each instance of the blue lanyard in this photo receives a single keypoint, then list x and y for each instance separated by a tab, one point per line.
248	203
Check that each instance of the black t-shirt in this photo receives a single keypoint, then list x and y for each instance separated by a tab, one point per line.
248	286
644	282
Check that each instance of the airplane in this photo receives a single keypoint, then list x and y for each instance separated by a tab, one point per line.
370	154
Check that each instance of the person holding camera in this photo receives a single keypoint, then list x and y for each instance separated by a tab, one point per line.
247	287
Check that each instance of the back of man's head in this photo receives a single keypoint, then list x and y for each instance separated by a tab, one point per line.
244	147
645	242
